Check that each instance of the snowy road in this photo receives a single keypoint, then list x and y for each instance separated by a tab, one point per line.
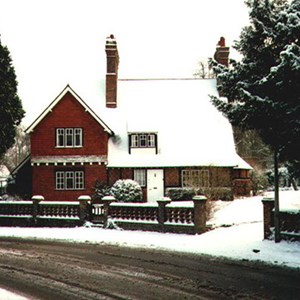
58	270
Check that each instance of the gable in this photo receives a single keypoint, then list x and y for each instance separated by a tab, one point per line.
65	94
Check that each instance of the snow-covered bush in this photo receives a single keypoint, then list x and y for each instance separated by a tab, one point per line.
127	190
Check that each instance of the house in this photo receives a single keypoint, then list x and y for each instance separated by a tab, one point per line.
163	133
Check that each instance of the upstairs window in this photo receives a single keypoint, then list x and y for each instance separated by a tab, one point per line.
69	137
143	140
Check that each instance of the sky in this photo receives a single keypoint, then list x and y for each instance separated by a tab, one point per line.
59	42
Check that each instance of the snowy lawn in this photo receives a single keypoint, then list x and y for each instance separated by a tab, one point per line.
238	235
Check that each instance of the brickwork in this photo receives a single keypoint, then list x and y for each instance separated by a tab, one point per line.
113	176
172	177
268	206
68	113
44	181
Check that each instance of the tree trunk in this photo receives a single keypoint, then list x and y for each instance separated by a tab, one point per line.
294	184
276	198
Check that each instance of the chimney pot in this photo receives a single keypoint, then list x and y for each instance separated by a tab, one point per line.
222	53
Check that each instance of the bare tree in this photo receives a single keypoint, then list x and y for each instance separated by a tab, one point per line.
204	70
251	147
18	151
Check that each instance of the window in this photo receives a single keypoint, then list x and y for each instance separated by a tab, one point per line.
69	137
139	176
69	180
195	178
143	140
60	137
60	182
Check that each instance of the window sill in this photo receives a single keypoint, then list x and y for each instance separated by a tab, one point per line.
68	147
69	190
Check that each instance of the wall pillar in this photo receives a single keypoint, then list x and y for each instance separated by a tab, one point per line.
107	200
268	206
199	213
36	199
84	205
162	202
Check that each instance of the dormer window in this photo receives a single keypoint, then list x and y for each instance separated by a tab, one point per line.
69	137
142	140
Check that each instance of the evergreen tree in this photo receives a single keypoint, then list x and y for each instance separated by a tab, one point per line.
11	111
263	89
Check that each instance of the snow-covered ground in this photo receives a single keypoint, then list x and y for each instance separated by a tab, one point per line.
7	295
238	234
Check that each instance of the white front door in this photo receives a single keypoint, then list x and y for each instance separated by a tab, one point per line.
155	184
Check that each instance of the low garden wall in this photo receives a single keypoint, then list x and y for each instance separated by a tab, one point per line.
163	215
289	221
42	213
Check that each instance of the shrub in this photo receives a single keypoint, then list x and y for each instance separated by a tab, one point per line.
217	193
259	181
178	193
100	190
214	193
127	190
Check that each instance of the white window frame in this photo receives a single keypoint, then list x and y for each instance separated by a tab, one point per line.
59	180
143	140
77	137
151	140
134	141
139	175
195	178
60	137
69	180
69	137
76	178
79	180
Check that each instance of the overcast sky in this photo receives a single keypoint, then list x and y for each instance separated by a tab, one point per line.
56	42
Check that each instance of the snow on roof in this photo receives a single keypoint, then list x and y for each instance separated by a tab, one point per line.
57	99
190	130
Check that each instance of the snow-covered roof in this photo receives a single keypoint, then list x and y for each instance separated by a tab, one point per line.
190	130
66	90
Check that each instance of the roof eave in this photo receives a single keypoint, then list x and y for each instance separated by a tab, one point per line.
79	99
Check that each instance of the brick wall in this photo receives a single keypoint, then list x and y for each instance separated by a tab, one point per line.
44	181
172	177
68	113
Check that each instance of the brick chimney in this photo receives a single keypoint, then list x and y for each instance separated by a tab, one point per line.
112	63
222	53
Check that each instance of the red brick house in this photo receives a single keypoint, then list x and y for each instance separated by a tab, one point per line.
163	133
